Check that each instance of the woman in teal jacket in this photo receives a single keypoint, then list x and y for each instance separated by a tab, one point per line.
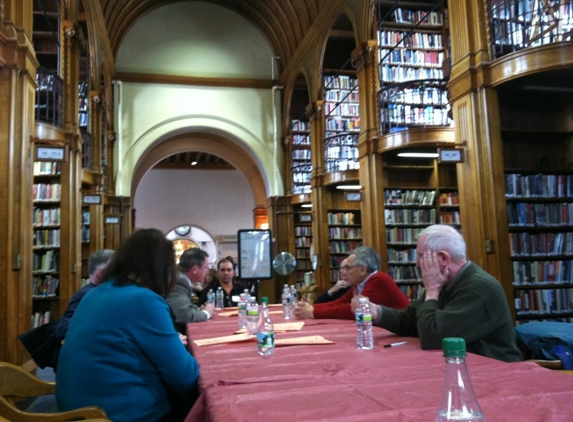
122	352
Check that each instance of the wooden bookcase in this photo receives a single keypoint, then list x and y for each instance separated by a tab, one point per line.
303	240
301	157
341	110
46	226
538	157
412	44
418	192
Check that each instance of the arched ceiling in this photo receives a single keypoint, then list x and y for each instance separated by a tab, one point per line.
283	22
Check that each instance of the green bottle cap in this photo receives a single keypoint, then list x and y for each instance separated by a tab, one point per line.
264	299
454	347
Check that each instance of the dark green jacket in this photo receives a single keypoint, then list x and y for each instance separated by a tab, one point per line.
473	307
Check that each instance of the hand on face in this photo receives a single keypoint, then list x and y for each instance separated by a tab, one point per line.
433	276
303	310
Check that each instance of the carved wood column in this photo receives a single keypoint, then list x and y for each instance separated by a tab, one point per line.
364	60
476	115
17	96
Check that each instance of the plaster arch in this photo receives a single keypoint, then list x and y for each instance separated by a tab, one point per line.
209	143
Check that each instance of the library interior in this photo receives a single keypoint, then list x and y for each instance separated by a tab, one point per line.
333	124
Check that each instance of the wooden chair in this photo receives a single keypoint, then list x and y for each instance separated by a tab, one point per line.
17	384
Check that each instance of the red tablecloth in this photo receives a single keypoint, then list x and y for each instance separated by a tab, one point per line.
338	382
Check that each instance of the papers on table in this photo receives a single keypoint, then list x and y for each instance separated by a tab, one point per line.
308	340
224	339
281	327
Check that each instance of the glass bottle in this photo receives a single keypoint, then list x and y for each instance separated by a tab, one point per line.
265	331
459	402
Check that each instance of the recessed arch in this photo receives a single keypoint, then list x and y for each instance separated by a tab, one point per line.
203	142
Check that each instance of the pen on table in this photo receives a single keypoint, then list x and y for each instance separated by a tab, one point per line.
400	343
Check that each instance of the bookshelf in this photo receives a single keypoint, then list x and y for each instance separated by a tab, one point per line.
301	157
303	240
341	110
519	24
418	192
344	235
46	226
412	44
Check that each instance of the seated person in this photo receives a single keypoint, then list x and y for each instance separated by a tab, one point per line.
363	276
226	276
121	351
460	300
96	264
193	265
337	290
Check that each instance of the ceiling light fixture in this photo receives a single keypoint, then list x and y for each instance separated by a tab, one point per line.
306	206
418	154
194	163
349	187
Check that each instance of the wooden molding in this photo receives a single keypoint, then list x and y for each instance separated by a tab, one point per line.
416	137
193	80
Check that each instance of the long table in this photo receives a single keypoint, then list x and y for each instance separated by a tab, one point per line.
338	382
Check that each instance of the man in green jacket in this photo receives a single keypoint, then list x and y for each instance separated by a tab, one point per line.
460	300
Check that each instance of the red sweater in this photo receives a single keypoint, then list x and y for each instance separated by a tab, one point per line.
380	289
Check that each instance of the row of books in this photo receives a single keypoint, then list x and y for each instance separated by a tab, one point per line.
343	124
345	233
337	139
47	238
341	109
542	272
403	235
45	168
405	273
412	291
336	261
45	286
448	198
343	218
341	96
404	256
336	152
302	166
401	73
538	185
45	262
431	115
422	40
412	57
525	214
543	301
302	253
409	197
450	217
40	318
527	10
340	81
301	154
46	192
85	234
299	125
303	265
298	139
303	231
341	165
401	15
86	218
422	217
343	246
46	217
423	95
302	242
541	244
301	188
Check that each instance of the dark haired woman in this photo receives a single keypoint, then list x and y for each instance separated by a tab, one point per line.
122	352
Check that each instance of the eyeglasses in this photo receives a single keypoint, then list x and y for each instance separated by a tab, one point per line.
347	267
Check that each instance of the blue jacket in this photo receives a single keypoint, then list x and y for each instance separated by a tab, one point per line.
64	321
120	353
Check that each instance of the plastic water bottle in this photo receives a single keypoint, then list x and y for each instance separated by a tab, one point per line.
286	301
364	339
293	298
265	331
252	316
210	297
219	299
458	403
242	310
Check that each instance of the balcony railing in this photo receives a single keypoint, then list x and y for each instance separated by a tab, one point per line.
49	92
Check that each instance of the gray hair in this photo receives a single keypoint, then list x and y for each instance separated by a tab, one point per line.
191	257
99	259
440	237
368	257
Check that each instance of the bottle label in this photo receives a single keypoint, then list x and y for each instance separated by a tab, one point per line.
252	312
265	340
242	306
360	317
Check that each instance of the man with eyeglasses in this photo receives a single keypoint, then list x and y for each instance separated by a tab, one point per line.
193	267
363	276
339	288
